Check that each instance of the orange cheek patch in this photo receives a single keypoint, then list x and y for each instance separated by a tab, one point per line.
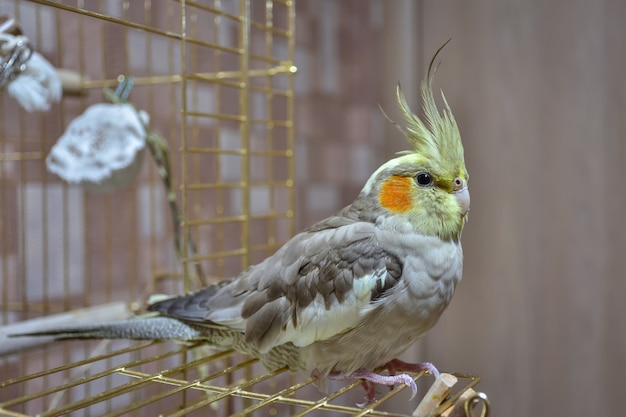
395	194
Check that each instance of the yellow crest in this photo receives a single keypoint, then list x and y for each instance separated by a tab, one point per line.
436	138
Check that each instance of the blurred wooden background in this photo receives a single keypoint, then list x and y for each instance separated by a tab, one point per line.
538	91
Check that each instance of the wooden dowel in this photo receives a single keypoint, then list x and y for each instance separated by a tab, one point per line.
9	25
435	395
71	81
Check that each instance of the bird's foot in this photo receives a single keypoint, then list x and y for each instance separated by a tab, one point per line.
396	365
370	379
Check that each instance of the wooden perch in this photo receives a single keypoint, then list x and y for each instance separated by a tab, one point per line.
435	395
76	318
71	81
9	25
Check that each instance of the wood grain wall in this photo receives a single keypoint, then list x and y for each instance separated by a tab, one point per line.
538	89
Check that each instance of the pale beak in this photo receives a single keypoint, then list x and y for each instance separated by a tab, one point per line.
463	198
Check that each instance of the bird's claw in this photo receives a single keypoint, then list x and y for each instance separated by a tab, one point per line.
409	382
397	365
430	368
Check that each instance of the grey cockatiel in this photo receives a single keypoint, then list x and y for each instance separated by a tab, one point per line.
345	297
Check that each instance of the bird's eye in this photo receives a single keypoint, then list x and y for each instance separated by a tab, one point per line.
424	179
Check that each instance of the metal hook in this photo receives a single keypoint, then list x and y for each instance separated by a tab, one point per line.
478	398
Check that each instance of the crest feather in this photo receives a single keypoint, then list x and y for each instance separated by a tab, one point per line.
437	137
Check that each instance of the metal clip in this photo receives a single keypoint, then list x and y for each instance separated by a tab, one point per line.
480	399
15	63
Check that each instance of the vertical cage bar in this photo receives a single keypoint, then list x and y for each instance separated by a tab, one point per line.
184	177
269	98
184	162
291	46
244	108
219	193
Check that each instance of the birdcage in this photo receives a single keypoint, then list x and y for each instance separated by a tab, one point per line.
209	193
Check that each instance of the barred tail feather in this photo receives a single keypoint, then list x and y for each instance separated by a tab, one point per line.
156	328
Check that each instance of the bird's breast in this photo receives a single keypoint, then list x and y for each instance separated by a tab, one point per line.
398	319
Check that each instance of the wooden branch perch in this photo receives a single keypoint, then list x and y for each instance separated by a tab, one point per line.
435	395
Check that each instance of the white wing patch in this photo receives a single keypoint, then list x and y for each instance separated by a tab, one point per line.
316	323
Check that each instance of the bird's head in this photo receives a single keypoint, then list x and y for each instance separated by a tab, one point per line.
427	185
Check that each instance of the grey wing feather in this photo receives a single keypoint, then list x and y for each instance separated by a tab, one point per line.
317	266
191	307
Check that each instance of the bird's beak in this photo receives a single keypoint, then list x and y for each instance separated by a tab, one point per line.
463	197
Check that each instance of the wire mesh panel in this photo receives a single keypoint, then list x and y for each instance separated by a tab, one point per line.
139	379
237	137
216	81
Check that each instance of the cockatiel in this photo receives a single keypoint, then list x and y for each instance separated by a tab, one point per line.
345	297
